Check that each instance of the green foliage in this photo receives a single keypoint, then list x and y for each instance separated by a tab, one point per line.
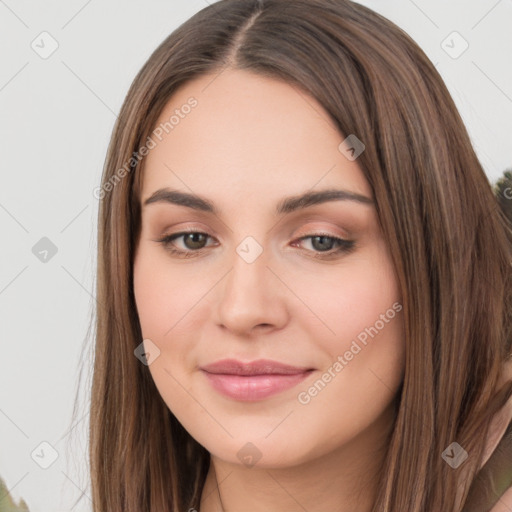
503	191
6	502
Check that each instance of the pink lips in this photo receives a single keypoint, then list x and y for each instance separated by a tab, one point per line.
255	380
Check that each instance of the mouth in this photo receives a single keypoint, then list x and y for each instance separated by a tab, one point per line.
255	380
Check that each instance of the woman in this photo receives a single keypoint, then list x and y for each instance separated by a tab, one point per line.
303	277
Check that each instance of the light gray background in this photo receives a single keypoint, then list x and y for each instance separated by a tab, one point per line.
56	117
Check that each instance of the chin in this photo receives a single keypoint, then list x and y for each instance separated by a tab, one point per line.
256	448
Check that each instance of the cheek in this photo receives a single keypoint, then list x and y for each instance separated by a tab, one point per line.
352	300
166	303
361	306
364	365
162	295
148	287
159	309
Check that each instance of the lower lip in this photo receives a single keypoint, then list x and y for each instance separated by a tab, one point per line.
253	387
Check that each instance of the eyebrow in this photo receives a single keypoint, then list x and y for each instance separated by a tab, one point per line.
284	206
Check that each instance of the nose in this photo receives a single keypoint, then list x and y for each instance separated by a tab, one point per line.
251	297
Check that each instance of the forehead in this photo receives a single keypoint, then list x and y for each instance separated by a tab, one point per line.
239	132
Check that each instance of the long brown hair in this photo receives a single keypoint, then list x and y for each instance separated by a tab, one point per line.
449	241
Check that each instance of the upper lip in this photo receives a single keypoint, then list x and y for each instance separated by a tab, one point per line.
259	367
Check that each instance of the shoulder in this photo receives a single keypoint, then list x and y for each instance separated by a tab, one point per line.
504	504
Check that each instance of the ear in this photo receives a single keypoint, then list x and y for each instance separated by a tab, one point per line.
502	420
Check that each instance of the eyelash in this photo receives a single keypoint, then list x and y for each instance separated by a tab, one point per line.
345	246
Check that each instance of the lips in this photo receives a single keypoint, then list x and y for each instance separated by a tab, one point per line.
259	367
254	380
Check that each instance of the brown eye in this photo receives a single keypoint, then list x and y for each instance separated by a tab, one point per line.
193	241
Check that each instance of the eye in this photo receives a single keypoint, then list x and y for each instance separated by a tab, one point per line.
325	245
328	246
193	241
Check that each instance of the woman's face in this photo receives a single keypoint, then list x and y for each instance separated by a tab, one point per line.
265	276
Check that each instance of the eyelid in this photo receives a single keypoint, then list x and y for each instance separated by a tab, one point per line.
344	231
316	230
